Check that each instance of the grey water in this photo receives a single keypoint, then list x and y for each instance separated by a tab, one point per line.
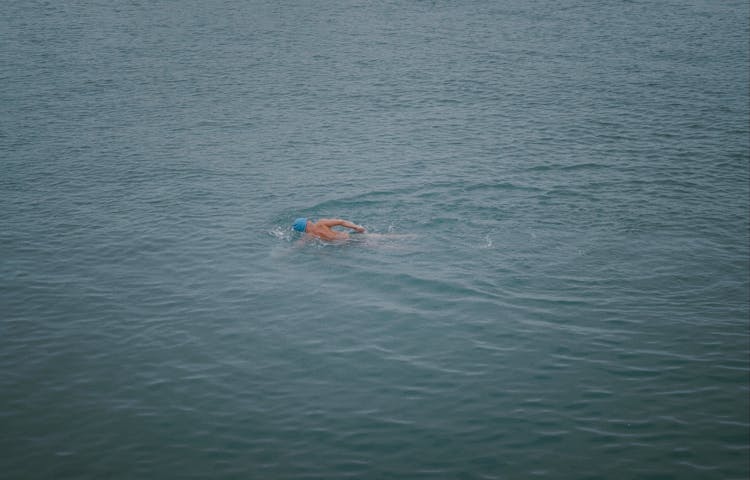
569	298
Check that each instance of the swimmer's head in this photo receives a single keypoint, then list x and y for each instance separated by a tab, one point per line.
300	224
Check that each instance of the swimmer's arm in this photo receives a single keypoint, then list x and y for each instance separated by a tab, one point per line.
332	222
302	241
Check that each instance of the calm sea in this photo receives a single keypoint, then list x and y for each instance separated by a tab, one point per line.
568	296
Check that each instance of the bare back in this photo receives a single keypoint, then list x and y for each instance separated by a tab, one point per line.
324	232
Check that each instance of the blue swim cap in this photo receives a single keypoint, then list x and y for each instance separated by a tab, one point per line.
300	224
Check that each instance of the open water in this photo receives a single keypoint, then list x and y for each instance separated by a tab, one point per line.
572	303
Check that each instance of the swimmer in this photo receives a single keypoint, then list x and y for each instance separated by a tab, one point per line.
323	230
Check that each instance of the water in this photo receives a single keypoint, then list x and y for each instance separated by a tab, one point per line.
573	303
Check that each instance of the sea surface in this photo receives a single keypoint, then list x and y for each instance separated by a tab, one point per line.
562	294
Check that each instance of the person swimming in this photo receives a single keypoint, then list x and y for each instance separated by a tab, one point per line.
323	230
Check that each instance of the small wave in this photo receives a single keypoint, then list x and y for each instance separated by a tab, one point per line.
569	167
281	233
487	243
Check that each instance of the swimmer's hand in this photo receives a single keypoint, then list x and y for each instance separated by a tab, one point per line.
359	229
